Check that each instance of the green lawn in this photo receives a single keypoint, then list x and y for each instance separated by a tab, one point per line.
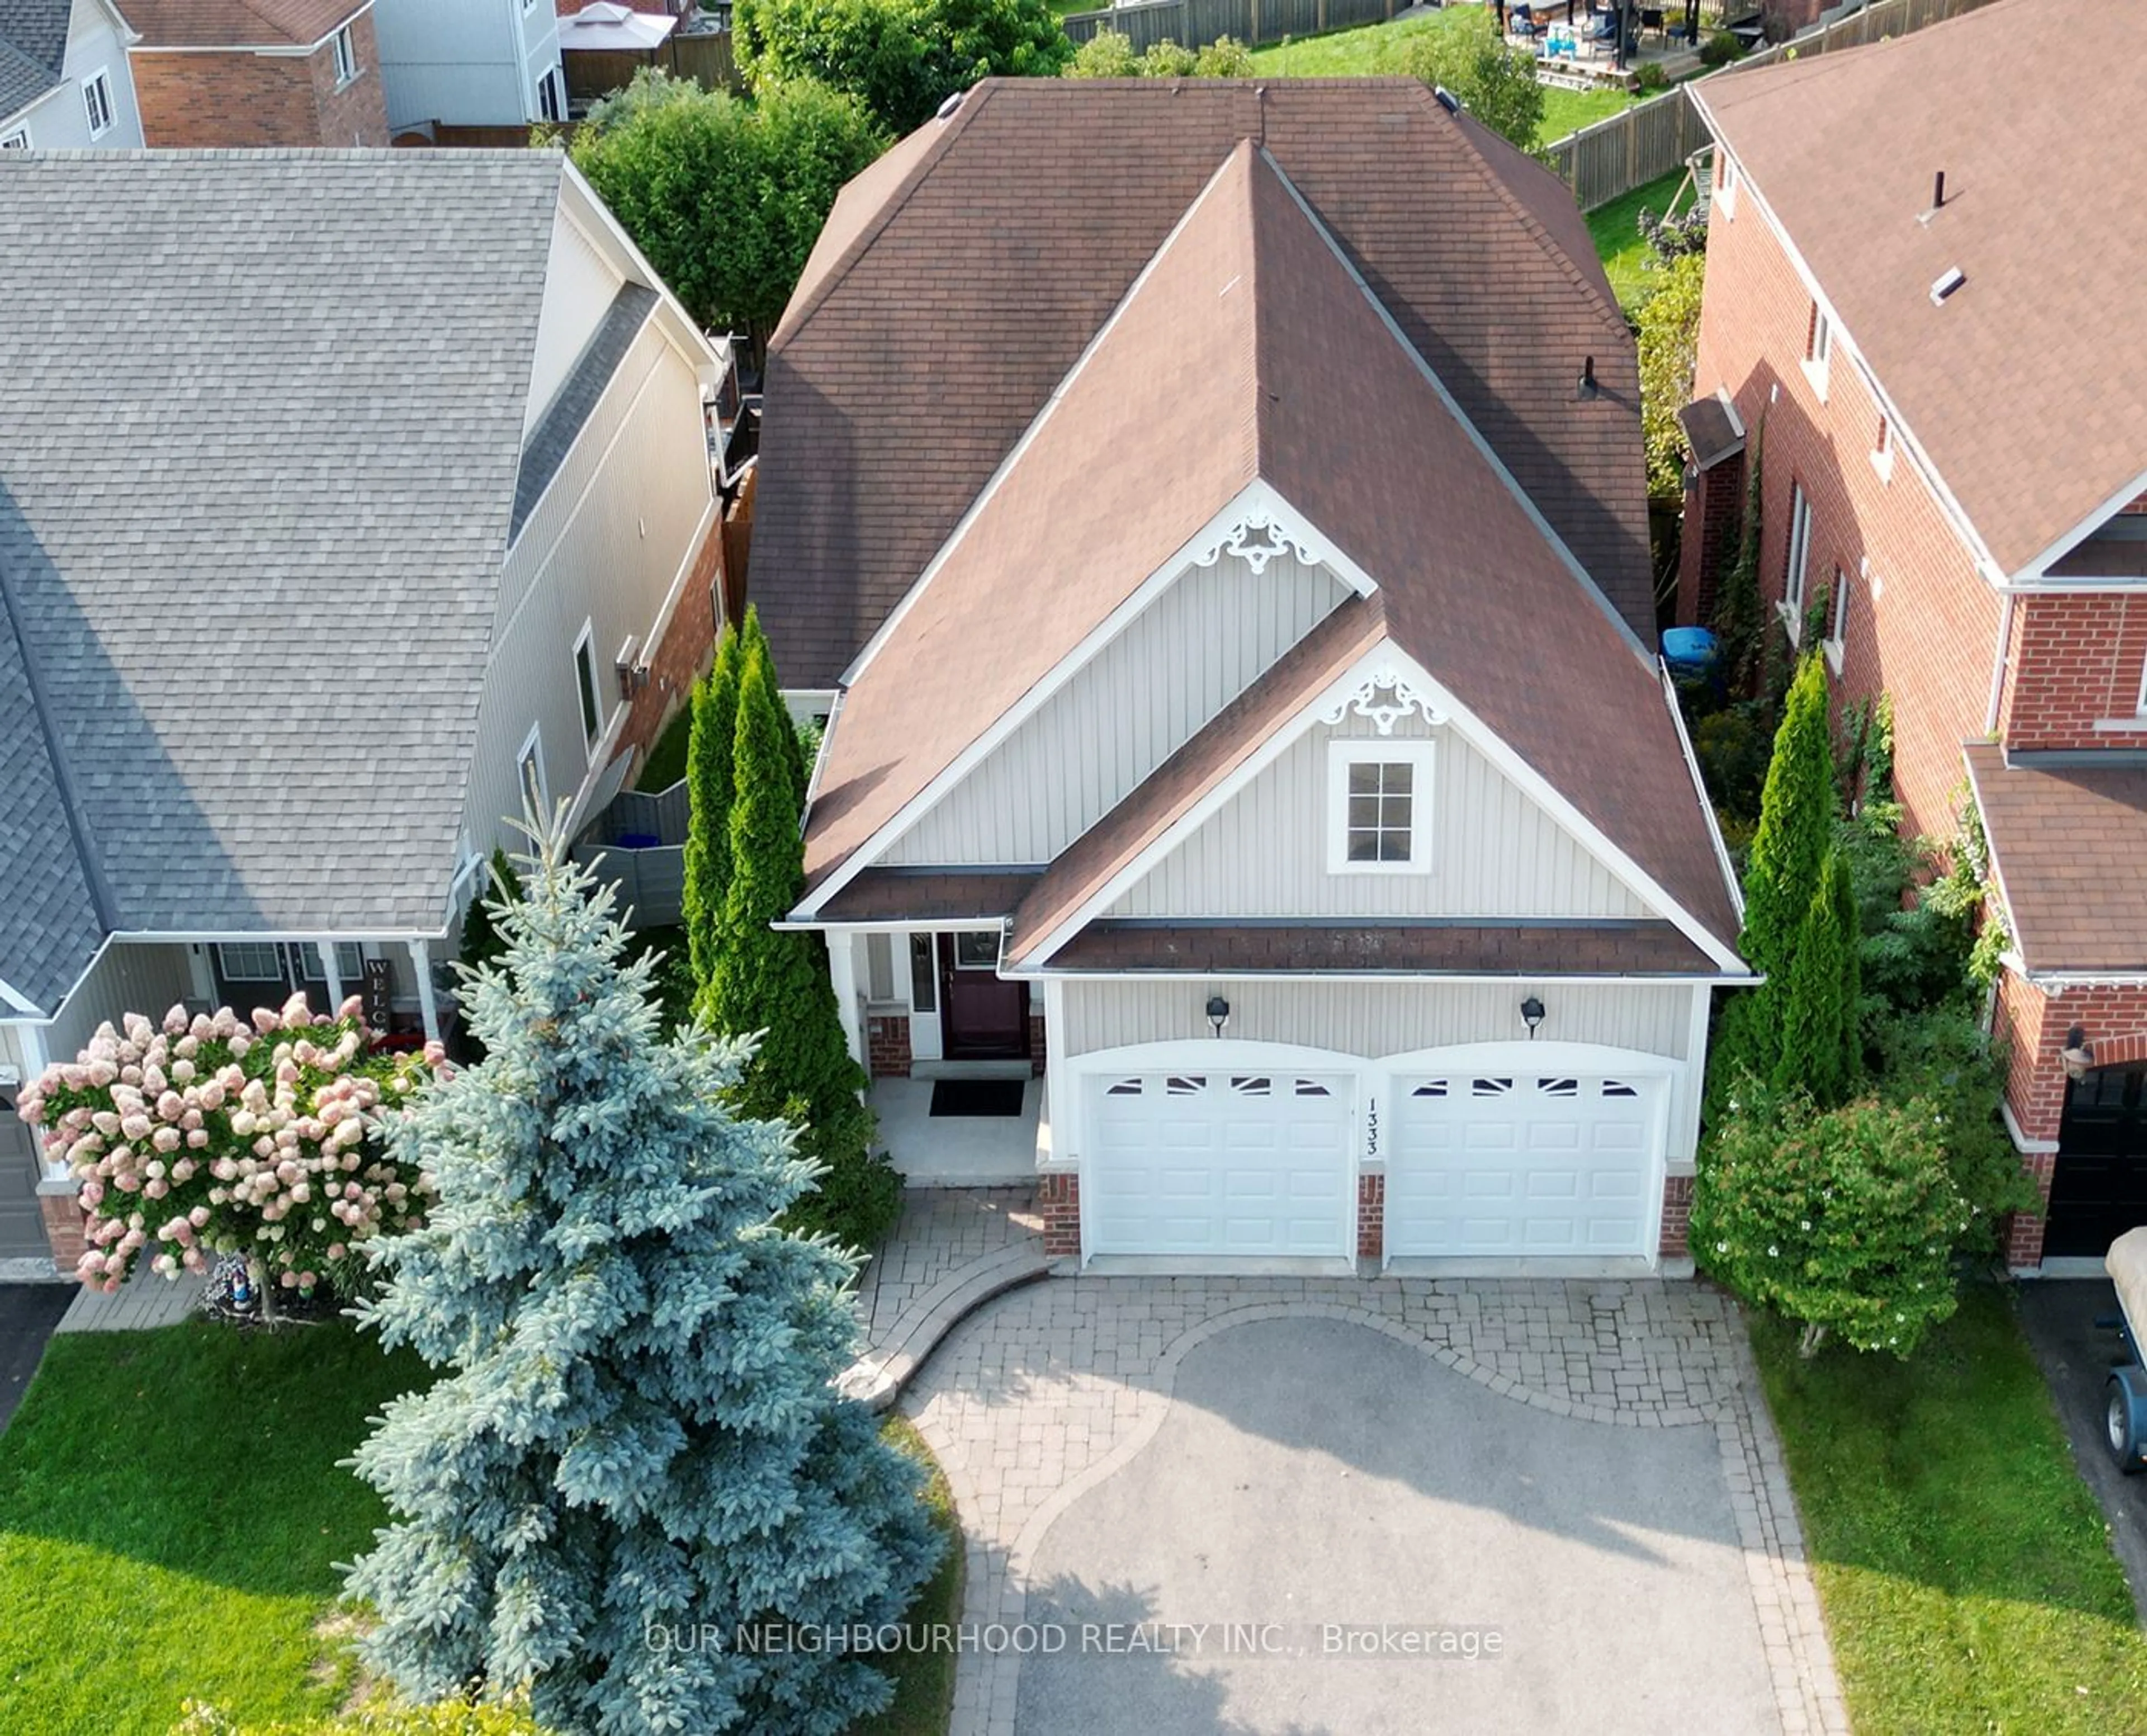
1359	53
666	764
170	1509
1968	1585
1616	228
924	1681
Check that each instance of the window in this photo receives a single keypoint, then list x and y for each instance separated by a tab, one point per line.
529	774
1882	449
249	961
1837	621
924	974
97	103
350	963
346	56
1725	184
978	951
17	140
1818	347
1793	576
585	687
1380	806
549	107
879	969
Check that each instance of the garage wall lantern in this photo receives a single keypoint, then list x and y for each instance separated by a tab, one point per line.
1219	1012
2079	1053
1531	1015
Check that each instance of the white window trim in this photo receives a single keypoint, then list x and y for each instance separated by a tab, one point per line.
100	82
344	45
1882	448
16	138
1794	574
2139	705
1835	643
592	693
532	747
350	963
1819	350
223	961
1726	184
1356	750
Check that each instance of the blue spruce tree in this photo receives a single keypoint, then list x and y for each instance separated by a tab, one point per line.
636	1434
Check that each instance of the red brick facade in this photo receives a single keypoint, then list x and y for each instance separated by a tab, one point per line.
64	1226
1922	623
887	1045
1371	1217
683	655
1676	1239
1059	1204
202	98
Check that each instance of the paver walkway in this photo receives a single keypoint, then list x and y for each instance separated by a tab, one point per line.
1037	1400
953	1250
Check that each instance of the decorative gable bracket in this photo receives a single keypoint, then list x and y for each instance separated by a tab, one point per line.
1399	699
1260	537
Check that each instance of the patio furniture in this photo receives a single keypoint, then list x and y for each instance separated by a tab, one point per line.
1521	22
1656	20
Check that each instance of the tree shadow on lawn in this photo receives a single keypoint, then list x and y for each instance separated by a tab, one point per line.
1949	1471
205	1450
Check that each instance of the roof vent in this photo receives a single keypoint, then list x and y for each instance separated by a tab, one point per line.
1446	100
946	111
1938	192
1587	388
1945	286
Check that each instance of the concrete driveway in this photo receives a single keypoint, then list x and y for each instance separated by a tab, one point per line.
1308	1506
29	1313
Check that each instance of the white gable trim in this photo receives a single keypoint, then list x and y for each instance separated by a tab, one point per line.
1484	448
21	1005
1027	438
1257	507
602	230
2038	569
1387	665
1700	791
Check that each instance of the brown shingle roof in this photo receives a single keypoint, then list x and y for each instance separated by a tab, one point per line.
2027	389
1249	350
237	23
1625	949
934	896
957	283
2068	839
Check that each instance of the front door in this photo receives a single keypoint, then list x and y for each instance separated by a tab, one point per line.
2098	1190
984	1016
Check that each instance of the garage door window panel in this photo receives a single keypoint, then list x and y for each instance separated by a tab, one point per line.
1380	807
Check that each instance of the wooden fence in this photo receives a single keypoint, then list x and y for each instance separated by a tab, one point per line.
1652	139
1195	23
705	57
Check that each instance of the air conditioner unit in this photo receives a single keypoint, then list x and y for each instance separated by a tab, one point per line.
633	673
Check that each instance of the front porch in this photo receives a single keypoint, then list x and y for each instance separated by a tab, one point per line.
961	1148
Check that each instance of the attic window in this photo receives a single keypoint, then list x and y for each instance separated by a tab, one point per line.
1882	449
1726	184
1819	347
1380	807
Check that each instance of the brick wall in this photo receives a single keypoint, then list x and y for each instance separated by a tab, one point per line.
62	1211
1676	1243
1036	1041
683	655
1371	1217
887	1045
1714	524
2076	662
1059	1204
1922	622
196	100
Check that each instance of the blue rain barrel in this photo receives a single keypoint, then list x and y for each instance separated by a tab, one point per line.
1689	650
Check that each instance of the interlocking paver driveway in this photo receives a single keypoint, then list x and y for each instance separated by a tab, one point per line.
1577	1468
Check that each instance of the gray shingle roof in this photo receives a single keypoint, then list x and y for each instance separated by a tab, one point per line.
259	432
33	50
561	424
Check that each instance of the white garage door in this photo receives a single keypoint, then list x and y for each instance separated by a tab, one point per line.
1220	1162
1522	1165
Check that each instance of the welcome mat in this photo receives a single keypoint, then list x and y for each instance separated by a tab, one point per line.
976	1096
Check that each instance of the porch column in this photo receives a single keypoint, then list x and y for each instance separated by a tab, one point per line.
326	951
421	967
198	974
842	973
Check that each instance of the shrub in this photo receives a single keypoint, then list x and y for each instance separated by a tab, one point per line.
1673	238
1845	1221
1945	1057
1733	745
1496	84
1669	334
1720	48
1107	54
208	1135
1225	57
1650	79
444	1717
1167	59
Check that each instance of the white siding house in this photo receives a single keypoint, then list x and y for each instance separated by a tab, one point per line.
470	62
66	86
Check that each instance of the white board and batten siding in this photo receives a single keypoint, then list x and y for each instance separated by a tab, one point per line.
1374	1018
1494	852
1203	640
604	545
579	284
59	120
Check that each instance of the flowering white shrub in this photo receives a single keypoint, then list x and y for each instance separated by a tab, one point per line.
210	1135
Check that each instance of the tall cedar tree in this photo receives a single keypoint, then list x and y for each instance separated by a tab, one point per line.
636	1428
708	785
1849	921
1818	1016
755	639
1782	873
777	983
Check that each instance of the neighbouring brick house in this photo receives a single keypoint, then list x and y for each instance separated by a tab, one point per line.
211	73
418	516
1237	650
1921	258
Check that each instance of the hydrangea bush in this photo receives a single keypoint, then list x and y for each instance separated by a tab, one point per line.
209	1134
